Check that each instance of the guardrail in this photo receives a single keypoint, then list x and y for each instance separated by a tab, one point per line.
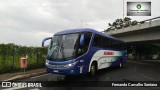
150	19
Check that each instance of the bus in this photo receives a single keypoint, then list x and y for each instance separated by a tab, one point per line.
82	51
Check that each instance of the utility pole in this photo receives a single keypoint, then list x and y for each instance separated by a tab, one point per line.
123	15
123	9
81	23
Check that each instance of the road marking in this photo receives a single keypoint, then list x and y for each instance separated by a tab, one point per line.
13	78
34	89
13	88
106	78
147	77
41	75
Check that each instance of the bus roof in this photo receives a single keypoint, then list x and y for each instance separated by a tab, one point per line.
87	30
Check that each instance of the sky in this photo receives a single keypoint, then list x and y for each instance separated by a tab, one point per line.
27	22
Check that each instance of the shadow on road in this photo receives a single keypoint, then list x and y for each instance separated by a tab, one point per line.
98	77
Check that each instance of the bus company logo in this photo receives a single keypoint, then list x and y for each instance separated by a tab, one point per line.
138	8
108	53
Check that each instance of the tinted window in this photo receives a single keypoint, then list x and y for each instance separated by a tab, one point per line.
87	38
83	49
97	41
106	43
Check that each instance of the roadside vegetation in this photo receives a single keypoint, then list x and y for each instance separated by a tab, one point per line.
10	55
120	23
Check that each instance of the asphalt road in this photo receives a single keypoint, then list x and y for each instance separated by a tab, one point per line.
133	71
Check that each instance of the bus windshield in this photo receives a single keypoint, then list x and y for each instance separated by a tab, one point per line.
63	47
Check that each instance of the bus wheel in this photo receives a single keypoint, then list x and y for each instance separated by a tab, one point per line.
93	69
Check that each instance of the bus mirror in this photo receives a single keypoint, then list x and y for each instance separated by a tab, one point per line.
82	40
45	39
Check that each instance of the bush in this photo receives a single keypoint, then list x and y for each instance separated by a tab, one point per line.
10	55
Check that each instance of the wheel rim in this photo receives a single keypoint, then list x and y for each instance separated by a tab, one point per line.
120	64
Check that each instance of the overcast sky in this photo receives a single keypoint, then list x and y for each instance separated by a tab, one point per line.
27	22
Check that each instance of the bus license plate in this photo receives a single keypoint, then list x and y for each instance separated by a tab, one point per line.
56	71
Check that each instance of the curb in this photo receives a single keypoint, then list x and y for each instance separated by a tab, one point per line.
25	76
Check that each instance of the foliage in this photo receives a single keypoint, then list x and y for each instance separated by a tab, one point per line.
10	55
120	23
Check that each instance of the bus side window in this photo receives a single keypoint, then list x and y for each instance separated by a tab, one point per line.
97	41
83	49
107	43
87	38
111	44
103	40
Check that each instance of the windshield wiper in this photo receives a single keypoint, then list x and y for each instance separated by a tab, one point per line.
56	49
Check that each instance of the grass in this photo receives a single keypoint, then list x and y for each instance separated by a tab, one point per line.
7	65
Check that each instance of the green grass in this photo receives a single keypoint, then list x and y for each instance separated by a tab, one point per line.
8	66
35	59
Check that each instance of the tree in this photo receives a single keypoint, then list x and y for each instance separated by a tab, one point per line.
127	22
120	23
134	23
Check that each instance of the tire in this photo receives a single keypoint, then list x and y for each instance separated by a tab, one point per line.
93	69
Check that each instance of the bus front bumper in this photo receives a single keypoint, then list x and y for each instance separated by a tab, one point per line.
62	71
74	70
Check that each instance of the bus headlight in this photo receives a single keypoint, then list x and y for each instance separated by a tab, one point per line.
70	64
47	62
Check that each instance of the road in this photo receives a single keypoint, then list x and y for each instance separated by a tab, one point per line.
133	71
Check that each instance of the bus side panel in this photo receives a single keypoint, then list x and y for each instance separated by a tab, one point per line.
116	63
107	58
87	60
123	59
